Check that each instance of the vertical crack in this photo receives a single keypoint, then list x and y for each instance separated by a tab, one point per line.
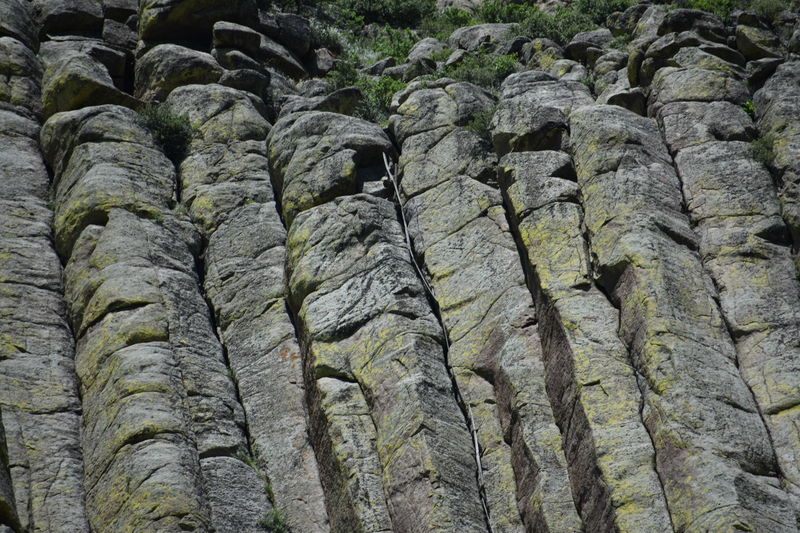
466	411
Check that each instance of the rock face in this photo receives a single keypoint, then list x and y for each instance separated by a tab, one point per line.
567	302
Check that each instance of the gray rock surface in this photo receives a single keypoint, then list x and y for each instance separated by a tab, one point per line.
226	188
475	274
712	448
168	66
161	414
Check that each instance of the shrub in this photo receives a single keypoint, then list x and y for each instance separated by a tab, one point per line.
560	26
479	124
770	9
171	132
485	70
397	13
275	521
599	10
395	43
764	150
449	20
377	98
750	108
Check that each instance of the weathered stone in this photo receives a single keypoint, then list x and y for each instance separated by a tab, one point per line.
168	66
119	10
532	113
447	105
706	25
76	81
189	20
119	35
696	85
687	124
389	344
479	285
472	38
377	68
584	360
757	43
16	21
777	108
226	187
68	16
426	48
38	386
115	62
20	78
344	101
8	511
713	451
158	402
292	31
317	156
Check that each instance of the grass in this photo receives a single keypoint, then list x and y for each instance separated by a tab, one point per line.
479	125
764	150
275	521
483	69
171	132
767	9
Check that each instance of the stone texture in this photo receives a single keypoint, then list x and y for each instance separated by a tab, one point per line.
189	20
777	108
474	271
523	123
226	188
713	452
586	365
317	156
168	66
163	428
389	344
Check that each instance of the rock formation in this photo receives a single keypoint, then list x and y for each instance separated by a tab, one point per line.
230	302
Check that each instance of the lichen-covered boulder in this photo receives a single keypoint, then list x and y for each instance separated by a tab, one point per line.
168	66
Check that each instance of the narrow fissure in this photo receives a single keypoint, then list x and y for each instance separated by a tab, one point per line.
730	333
466	411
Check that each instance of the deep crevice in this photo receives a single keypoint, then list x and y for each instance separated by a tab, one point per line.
431	297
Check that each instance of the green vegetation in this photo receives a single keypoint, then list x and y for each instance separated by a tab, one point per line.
275	521
171	132
377	92
483	69
750	108
768	9
479	124
764	150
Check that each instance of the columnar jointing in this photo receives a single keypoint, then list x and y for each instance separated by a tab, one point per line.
162	426
587	367
394	450
743	241
460	235
777	106
713	450
227	191
41	469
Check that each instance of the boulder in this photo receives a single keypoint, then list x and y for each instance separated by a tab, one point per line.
168	66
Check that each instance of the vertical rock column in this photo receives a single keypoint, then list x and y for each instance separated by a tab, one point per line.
8	511
745	246
162	424
777	108
227	190
392	442
713	452
460	235
38	386
590	379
